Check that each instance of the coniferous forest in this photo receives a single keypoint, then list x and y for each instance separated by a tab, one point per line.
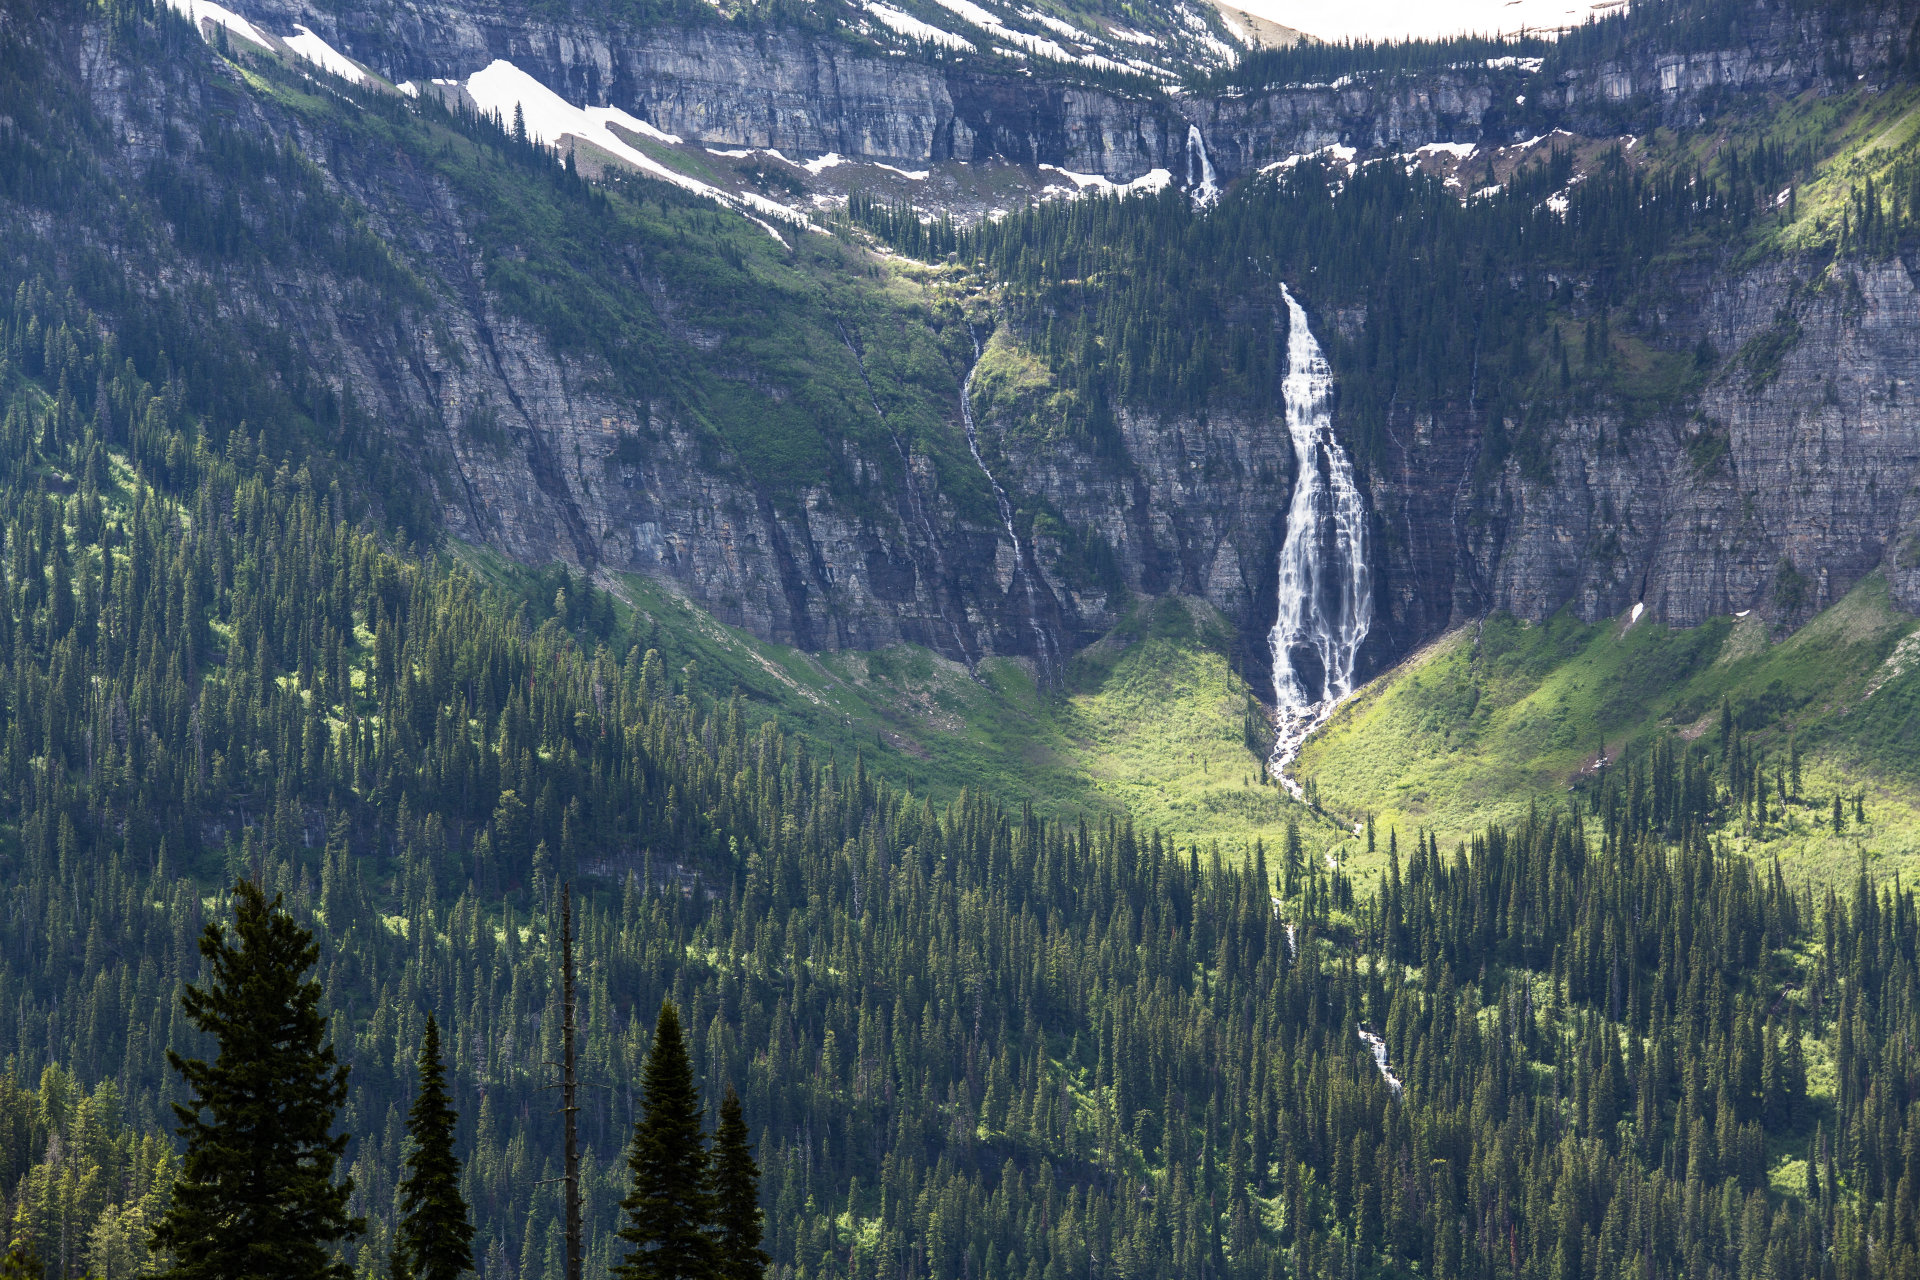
368	917
964	1041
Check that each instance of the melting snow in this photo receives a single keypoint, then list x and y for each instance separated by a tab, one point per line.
323	55
1634	615
1338	153
199	11
500	87
1054	24
912	28
1458	150
825	162
1150	181
1131	37
912	175
409	88
973	13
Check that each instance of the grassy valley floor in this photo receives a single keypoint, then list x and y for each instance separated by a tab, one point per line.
1502	714
1478	727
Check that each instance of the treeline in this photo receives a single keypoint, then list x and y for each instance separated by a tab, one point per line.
1424	302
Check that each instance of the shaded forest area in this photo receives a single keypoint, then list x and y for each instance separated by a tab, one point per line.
973	1042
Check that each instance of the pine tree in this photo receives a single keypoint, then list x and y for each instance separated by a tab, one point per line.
671	1207
435	1239
256	1195
737	1187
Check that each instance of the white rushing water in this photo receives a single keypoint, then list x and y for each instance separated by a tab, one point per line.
1379	1048
1043	643
1200	168
1326	594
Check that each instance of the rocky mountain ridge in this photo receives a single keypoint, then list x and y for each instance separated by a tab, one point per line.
1773	492
807	92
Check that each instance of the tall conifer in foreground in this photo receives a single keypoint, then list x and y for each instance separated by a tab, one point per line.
256	1195
435	1239
671	1206
736	1180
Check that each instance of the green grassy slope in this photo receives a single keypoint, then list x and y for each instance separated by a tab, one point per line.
1149	721
1501	715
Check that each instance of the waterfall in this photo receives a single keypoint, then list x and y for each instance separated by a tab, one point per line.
1379	1048
1326	594
1043	644
1200	168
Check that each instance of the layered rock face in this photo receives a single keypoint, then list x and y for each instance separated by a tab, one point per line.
809	93
1796	474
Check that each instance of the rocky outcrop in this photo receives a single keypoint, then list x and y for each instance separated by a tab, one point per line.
812	92
1795	474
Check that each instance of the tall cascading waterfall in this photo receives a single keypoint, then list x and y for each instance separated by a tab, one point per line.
1326	592
1044	648
1200	179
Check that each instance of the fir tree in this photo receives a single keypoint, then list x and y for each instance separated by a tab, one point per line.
256	1195
671	1207
737	1187
435	1239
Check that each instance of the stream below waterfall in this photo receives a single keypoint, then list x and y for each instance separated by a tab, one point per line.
1044	648
1325	591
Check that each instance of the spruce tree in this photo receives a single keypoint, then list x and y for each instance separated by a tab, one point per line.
736	1181
670	1210
435	1238
256	1195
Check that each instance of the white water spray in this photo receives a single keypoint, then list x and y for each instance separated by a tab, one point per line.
1199	168
1326	593
1043	643
1379	1048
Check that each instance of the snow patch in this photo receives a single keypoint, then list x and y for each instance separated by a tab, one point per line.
972	13
1150	181
549	119
409	88
1633	614
1334	151
824	163
911	175
1054	25
323	55
200	11
1458	150
905	24
633	124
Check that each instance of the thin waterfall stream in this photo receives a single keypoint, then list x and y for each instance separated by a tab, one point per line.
1043	642
1325	590
1200	179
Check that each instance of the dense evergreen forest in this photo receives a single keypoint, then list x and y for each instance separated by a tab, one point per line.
972	1043
968	1042
1515	308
